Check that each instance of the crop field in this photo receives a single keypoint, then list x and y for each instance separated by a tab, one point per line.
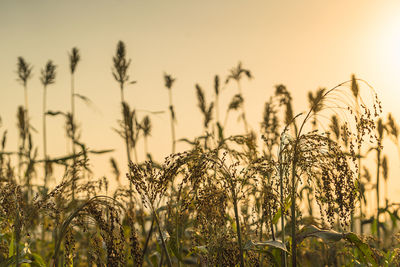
305	186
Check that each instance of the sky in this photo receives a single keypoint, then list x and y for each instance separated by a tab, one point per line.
304	45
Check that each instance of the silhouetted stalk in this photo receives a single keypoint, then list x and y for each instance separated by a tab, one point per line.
161	237
260	255
238	230
246	126
169	81
293	206
216	94
282	210
360	196
172	121
17	231
121	65
74	59
161	259
44	136
146	244
24	71
47	78
128	154
146	149
236	74
378	156
177	232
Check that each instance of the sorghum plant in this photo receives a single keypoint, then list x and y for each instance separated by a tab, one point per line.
48	77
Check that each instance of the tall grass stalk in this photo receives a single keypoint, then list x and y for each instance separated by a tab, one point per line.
164	245
236	74
169	81
380	128
24	74
47	78
24	71
120	73
74	58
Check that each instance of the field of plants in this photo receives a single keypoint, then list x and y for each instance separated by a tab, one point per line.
296	192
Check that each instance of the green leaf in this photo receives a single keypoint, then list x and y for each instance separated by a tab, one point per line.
38	260
313	231
155	258
363	247
254	245
200	249
174	248
12	261
277	215
11	245
374	227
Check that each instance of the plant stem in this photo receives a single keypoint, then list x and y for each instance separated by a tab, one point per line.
146	149
17	231
293	207
246	127
148	239
238	230
44	136
73	134
283	253
171	109
162	237
360	198
378	154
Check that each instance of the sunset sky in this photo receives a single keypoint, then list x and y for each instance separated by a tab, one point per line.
301	44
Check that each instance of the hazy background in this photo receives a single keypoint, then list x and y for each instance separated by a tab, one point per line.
302	44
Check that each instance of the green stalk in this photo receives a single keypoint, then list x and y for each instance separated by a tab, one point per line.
128	154
148	239
17	232
44	136
246	126
26	137
293	207
283	253
238	230
360	198
171	108
161	237
378	152
73	135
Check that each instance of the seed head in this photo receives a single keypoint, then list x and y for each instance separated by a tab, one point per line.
48	73
74	58
24	70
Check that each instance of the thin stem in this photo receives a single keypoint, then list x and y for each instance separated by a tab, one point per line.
146	149
360	197
162	237
25	141
73	134
128	154
283	253
17	230
177	231
171	109
378	155
238	230
26	108
246	127
44	136
146	244
293	208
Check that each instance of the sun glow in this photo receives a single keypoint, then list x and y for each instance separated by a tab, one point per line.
390	46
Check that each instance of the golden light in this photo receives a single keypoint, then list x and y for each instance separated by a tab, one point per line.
389	46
